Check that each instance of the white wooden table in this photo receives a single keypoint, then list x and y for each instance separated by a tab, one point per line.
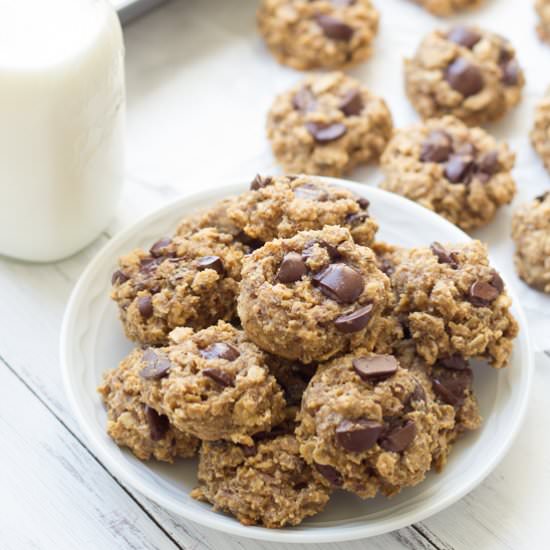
199	84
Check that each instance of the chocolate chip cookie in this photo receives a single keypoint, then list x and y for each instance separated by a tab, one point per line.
328	124
267	483
461	173
280	207
531	234
181	281
313	296
467	72
543	11
133	424
310	34
367	425
452	302
213	384
540	133
447	7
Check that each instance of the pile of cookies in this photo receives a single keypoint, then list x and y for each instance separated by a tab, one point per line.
458	79
296	355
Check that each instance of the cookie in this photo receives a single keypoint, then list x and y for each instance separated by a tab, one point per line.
266	484
467	72
531	234
313	296
452	302
542	8
313	34
133	424
181	281
447	7
280	207
368	426
461	173
540	133
328	124
213	384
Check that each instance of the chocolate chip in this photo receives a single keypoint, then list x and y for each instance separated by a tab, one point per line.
156	366
451	389
510	72
310	192
354	322
325	133
304	100
249	450
292	268
481	294
437	147
399	438
220	377
464	77
363	203
357	219
211	262
386	266
352	103
258	182
119	277
333	253
458	168
543	197
357	436
334	28
220	350
454	362
464	36
443	255
145	306
340	282
488	163
496	281
159	248
149	264
158	424
330	474
375	367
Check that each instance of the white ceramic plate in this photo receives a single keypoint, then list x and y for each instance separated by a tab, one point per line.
92	341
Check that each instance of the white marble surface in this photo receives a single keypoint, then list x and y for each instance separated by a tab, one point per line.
199	83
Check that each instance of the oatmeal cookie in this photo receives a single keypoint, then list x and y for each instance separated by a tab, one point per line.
213	384
543	11
540	134
133	424
310	34
313	296
367	425
461	173
466	72
182	281
531	234
280	207
328	124
267	483
452	302
447	7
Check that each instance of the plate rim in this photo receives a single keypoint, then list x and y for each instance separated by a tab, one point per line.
214	520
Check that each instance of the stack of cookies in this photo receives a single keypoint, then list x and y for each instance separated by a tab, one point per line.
296	355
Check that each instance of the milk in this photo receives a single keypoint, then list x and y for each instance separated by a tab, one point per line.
62	110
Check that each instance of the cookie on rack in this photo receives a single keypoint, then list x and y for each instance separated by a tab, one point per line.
461	173
266	483
327	124
181	281
531	234
313	296
467	72
367	425
313	34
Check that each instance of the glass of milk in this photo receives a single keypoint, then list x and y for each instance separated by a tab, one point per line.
62	111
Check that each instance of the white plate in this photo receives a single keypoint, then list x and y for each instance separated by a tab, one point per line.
92	341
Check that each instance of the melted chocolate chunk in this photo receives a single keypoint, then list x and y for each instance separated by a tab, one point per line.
325	133
145	306
443	255
355	321
211	262
357	436
119	277
464	77
399	438
310	245
259	182
220	350
464	36
330	474
437	147
481	294
158	424
340	282
459	169
334	28
222	378
352	103
304	100
156	366
376	367
292	268
310	192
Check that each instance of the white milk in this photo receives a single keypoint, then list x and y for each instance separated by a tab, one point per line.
62	105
